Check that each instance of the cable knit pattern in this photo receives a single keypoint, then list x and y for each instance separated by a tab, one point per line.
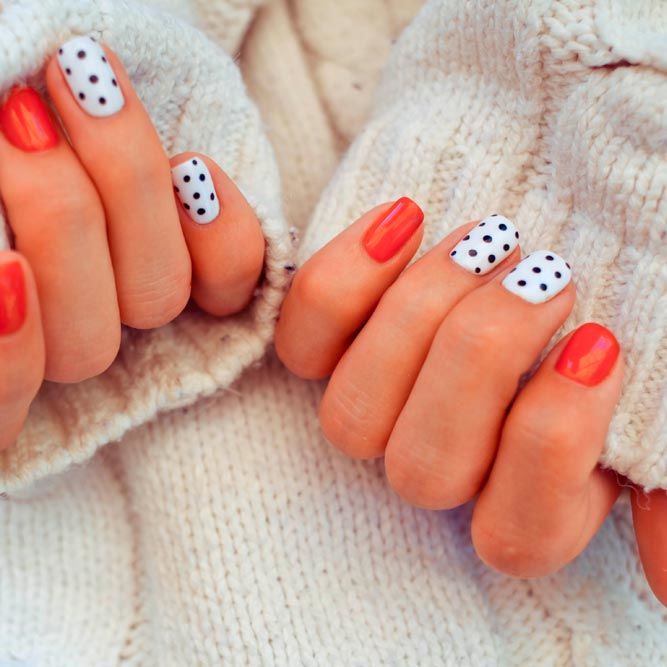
536	111
195	96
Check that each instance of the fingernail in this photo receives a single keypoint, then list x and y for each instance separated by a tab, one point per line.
194	186
26	121
12	298
486	245
589	355
90	77
391	231
539	277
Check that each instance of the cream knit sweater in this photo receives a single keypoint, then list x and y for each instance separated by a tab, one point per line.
229	532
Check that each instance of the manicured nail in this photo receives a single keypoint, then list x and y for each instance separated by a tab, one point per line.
194	186
26	121
486	245
12	298
589	355
539	277
391	231
90	77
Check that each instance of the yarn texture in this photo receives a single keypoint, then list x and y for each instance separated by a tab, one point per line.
227	531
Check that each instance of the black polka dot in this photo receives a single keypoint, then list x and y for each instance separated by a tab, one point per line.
93	78
82	96
550	258
482	224
516	234
195	162
186	179
202	177
453	253
477	269
187	207
568	266
493	215
492	259
543	287
60	51
466	238
521	283
81	55
196	195
472	253
487	239
212	196
69	71
104	59
114	83
103	100
201	211
537	269
502	226
513	270
558	274
506	247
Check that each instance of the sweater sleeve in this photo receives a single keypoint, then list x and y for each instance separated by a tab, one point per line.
195	96
554	115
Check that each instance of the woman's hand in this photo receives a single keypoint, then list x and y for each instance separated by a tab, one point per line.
426	364
107	229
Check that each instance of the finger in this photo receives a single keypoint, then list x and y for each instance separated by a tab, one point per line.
546	496
335	292
360	407
115	140
446	436
650	517
222	232
21	345
58	224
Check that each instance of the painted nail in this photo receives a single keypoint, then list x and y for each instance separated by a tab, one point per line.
392	230
26	121
539	277
194	186
90	77
589	355
12	298
486	245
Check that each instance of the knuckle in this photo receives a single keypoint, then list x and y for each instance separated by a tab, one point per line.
348	420
474	336
410	301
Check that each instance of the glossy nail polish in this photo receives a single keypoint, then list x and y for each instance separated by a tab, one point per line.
486	245
589	355
90	77
12	298
194	187
26	121
539	277
392	230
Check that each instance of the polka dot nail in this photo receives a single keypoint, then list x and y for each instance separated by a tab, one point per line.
90	77
486	245
194	186
539	277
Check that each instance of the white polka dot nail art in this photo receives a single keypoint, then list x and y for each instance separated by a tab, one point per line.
194	186
90	77
539	277
486	245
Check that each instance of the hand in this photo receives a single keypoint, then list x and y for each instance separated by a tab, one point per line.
107	229
425	366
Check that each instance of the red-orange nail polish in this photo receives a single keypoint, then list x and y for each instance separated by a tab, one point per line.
12	298
391	231
26	121
589	355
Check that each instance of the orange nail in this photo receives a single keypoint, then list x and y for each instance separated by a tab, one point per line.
391	231
26	121
589	355
12	298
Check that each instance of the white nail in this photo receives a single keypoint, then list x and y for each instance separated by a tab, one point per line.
194	187
486	245
539	276
90	77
